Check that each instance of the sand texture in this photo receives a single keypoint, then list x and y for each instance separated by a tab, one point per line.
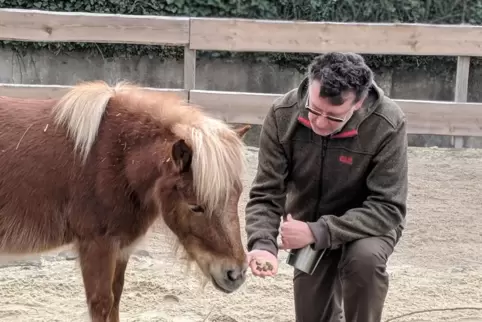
437	264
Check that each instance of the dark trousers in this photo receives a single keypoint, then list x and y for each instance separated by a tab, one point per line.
350	283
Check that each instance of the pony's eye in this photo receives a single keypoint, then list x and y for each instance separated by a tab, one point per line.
196	208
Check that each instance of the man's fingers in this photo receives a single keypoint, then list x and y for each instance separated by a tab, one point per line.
264	273
261	273
281	245
252	264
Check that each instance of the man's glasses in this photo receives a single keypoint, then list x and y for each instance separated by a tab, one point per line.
323	114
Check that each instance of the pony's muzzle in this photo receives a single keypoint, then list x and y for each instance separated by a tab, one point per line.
229	279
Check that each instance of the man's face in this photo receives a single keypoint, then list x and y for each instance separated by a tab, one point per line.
325	123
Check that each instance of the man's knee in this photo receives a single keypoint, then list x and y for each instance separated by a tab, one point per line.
363	264
366	259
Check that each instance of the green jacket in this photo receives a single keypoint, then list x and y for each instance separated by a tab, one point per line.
348	186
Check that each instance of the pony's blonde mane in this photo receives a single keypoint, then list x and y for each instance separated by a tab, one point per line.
81	111
218	153
218	160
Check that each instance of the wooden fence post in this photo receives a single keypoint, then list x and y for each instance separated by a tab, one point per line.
461	89
189	67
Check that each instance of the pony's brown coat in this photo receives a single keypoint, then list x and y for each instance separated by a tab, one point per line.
96	169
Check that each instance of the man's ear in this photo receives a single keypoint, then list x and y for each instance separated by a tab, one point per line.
359	104
242	130
181	155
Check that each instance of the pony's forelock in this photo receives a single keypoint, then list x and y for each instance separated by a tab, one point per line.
218	161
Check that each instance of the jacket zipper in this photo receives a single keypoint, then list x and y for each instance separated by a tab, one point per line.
324	146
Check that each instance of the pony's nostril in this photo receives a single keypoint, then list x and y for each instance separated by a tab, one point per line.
233	274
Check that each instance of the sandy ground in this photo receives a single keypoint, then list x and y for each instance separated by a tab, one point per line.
438	264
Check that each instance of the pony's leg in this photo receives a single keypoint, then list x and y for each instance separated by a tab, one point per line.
97	262
117	287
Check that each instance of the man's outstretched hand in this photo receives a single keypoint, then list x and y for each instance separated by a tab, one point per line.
262	263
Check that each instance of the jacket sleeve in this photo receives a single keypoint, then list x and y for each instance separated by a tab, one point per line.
385	207
267	195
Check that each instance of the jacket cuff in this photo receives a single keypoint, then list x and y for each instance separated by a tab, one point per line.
266	244
321	233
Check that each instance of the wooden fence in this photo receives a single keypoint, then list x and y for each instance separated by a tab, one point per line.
457	118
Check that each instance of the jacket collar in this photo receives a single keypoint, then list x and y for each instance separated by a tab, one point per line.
350	129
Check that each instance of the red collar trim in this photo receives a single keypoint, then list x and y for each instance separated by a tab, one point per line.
347	134
342	135
304	121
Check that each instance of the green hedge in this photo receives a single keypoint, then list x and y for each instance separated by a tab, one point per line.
407	11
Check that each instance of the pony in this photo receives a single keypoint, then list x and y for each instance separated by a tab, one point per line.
96	167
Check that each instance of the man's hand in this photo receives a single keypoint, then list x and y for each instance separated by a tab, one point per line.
262	263
295	234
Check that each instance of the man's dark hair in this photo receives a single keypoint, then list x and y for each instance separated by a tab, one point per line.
339	73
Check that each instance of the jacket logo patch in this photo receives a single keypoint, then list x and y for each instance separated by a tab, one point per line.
346	159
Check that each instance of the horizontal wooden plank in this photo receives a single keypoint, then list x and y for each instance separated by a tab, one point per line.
424	117
55	91
234	107
318	37
242	34
443	117
50	26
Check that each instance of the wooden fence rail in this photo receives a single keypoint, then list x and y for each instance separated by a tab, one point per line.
456	118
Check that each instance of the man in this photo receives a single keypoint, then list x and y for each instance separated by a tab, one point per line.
333	174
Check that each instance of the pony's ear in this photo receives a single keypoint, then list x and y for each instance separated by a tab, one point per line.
181	155
242	130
